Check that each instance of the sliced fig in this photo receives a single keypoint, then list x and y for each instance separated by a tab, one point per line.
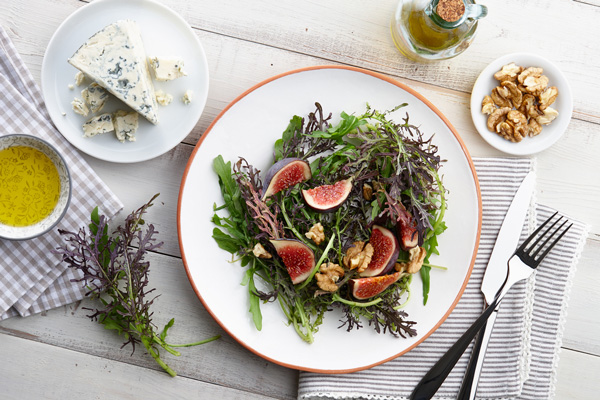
298	258
328	197
284	174
385	254
365	288
406	229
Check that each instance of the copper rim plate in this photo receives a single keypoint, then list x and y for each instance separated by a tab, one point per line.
248	127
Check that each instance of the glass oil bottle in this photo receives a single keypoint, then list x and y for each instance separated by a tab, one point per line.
429	30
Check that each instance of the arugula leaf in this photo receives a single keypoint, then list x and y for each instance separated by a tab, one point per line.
294	126
254	300
226	242
347	124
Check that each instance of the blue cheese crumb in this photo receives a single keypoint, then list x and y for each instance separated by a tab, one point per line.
126	124
187	97
79	78
79	107
95	97
99	124
162	98
167	69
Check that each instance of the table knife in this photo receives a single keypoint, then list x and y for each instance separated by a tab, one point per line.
494	276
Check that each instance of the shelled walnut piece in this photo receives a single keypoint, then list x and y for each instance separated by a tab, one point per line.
316	233
358	256
328	276
520	105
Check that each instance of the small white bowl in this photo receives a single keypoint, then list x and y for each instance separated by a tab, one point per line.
550	133
45	225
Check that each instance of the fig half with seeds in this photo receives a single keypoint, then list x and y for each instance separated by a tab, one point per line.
365	288
298	258
385	254
284	174
328	198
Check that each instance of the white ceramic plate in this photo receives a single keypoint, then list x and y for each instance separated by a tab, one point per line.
550	133
164	33
248	127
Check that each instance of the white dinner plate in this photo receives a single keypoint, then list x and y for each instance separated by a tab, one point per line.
248	127
550	133
164	33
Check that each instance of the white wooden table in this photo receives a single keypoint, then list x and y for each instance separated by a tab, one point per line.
61	354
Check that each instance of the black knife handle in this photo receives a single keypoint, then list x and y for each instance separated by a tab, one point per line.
467	383
433	379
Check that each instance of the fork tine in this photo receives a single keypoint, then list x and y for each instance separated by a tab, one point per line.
533	235
536	246
548	236
555	240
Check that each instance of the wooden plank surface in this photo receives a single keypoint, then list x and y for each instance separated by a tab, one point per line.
247	42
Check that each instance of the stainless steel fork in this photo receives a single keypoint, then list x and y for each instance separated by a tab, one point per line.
520	266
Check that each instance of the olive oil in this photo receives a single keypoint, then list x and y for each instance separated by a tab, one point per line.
429	30
426	33
29	186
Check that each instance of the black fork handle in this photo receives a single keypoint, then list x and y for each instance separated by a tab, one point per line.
433	379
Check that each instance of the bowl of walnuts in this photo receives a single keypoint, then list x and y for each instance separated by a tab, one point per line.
521	104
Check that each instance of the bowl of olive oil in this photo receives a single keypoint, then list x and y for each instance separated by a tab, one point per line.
35	187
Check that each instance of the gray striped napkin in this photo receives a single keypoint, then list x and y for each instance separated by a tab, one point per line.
523	351
32	279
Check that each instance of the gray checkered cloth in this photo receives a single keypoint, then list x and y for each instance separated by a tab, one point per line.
522	356
32	279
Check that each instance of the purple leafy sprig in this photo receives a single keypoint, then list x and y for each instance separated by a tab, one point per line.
114	270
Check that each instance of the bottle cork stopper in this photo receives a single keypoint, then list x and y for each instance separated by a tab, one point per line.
450	10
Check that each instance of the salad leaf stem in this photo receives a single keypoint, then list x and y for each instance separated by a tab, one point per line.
316	268
337	298
292	228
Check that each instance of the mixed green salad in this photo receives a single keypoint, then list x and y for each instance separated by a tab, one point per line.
344	218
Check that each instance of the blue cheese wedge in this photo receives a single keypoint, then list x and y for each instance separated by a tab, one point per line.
167	69
95	97
164	99
187	97
115	58
99	124
126	124
80	107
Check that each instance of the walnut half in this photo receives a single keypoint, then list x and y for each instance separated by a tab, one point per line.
499	115
508	72
316	233
358	256
416	256
328	276
260	252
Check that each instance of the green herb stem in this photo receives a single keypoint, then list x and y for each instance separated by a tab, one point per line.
291	227
158	360
336	297
212	339
305	323
316	268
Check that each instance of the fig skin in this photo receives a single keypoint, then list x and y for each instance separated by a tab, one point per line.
277	173
384	258
365	288
406	229
340	188
298	258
